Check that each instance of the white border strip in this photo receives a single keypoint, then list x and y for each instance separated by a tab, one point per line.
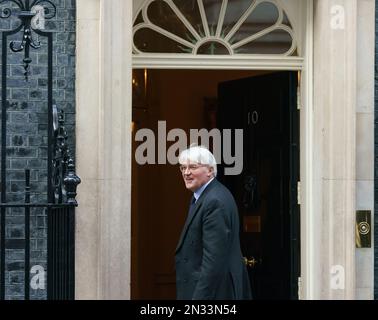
308	265
239	62
222	14
203	17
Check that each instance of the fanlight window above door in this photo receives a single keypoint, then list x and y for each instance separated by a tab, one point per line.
213	27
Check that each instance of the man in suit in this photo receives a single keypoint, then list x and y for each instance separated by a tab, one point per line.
209	262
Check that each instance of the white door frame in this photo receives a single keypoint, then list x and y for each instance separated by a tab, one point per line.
205	62
103	133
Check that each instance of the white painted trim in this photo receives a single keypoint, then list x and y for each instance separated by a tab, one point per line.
115	150
104	83
222	14
203	18
219	62
88	133
103	120
213	39
232	47
331	219
307	226
241	20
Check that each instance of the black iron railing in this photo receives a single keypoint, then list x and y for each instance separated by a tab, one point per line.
62	181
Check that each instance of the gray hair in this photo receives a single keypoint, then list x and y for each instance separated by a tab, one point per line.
198	154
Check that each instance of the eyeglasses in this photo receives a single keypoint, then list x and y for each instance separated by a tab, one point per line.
191	167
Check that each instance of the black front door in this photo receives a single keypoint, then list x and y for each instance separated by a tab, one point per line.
266	191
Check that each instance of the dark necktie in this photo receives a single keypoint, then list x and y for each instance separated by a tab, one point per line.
192	203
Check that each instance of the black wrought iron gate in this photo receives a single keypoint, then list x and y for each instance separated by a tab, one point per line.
59	205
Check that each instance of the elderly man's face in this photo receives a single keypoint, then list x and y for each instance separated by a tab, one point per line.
195	175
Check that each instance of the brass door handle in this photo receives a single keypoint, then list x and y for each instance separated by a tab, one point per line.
251	262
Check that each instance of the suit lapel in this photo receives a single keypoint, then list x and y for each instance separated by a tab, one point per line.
196	209
189	219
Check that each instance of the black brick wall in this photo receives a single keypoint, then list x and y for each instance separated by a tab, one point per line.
27	136
376	158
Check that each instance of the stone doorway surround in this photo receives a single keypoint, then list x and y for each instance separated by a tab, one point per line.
103	85
328	144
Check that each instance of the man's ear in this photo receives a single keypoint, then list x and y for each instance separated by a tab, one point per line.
211	172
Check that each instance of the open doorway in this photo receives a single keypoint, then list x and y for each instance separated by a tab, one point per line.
263	104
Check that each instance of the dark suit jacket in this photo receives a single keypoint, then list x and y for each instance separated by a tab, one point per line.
209	262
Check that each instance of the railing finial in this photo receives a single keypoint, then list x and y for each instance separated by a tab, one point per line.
70	182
